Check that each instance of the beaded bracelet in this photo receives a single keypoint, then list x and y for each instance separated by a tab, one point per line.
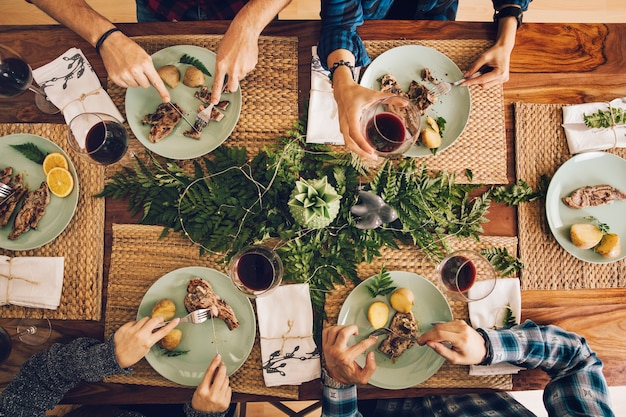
104	37
341	63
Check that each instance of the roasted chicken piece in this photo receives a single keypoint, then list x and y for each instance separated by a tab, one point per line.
200	294
593	195
9	206
32	210
402	324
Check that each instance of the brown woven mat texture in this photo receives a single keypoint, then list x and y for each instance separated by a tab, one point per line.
482	145
152	257
138	259
412	260
269	92
541	148
81	243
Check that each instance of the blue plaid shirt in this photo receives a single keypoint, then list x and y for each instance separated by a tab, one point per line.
340	19
577	386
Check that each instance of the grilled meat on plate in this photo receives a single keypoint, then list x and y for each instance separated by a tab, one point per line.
595	195
200	294
32	210
9	206
402	324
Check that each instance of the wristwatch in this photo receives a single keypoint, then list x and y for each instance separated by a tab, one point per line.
332	383
509	11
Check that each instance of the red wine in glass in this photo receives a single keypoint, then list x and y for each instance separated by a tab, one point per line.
15	77
106	142
458	274
255	271
386	132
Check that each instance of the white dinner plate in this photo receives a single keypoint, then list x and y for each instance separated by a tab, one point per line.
406	63
418	363
198	339
141	101
591	168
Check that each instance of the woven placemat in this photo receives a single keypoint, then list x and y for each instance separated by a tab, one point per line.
138	259
482	145
413	260
541	148
81	243
269	93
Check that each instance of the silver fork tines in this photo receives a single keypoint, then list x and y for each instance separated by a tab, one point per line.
195	317
5	190
444	87
387	330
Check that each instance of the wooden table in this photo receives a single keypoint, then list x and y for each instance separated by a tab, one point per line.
551	63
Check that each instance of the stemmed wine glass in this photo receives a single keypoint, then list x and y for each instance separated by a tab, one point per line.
16	76
99	137
34	331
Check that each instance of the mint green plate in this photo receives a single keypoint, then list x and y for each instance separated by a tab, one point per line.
406	64
141	101
591	168
418	363
234	346
59	212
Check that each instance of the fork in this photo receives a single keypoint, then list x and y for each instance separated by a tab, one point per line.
203	117
444	87
5	193
387	330
195	317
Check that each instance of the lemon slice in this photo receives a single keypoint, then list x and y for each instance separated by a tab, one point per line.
60	181
53	160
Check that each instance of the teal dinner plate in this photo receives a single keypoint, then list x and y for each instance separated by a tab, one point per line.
59	212
141	101
591	168
406	64
198	339
418	363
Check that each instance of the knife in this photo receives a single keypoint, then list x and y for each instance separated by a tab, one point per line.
183	116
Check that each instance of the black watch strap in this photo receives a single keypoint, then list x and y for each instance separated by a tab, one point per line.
509	11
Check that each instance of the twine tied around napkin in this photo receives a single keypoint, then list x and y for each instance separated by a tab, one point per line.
31	281
288	352
582	138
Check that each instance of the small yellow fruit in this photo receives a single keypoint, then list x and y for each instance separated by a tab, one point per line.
402	300
53	160
378	314
60	181
430	138
585	235
609	246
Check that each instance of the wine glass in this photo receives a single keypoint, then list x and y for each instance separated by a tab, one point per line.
5	345
256	270
34	331
99	137
391	125
467	275
16	76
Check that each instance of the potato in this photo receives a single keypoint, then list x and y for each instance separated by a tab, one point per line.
585	235
170	75
402	300
432	123
430	138
609	246
164	308
378	314
193	77
171	340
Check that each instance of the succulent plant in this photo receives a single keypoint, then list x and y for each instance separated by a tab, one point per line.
314	203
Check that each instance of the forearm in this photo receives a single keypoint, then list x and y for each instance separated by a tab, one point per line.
78	16
257	14
44	379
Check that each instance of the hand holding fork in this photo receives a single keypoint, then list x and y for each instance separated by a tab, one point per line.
195	317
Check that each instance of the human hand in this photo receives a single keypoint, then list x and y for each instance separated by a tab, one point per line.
340	359
129	65
213	395
134	339
456	341
237	55
352	99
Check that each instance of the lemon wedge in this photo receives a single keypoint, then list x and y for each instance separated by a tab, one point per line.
60	181
53	160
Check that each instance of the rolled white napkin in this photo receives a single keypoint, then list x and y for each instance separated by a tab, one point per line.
323	122
489	313
288	351
73	86
581	138
31	281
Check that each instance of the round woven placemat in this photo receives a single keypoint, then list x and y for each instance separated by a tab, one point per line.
269	92
541	148
412	260
139	257
81	243
482	145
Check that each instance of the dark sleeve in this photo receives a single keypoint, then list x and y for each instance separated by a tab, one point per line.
44	379
521	3
190	412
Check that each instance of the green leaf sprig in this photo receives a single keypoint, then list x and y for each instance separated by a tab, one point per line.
31	151
503	262
509	320
605	118
515	194
188	59
604	228
382	284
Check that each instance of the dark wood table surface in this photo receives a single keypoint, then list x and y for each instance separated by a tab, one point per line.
551	63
